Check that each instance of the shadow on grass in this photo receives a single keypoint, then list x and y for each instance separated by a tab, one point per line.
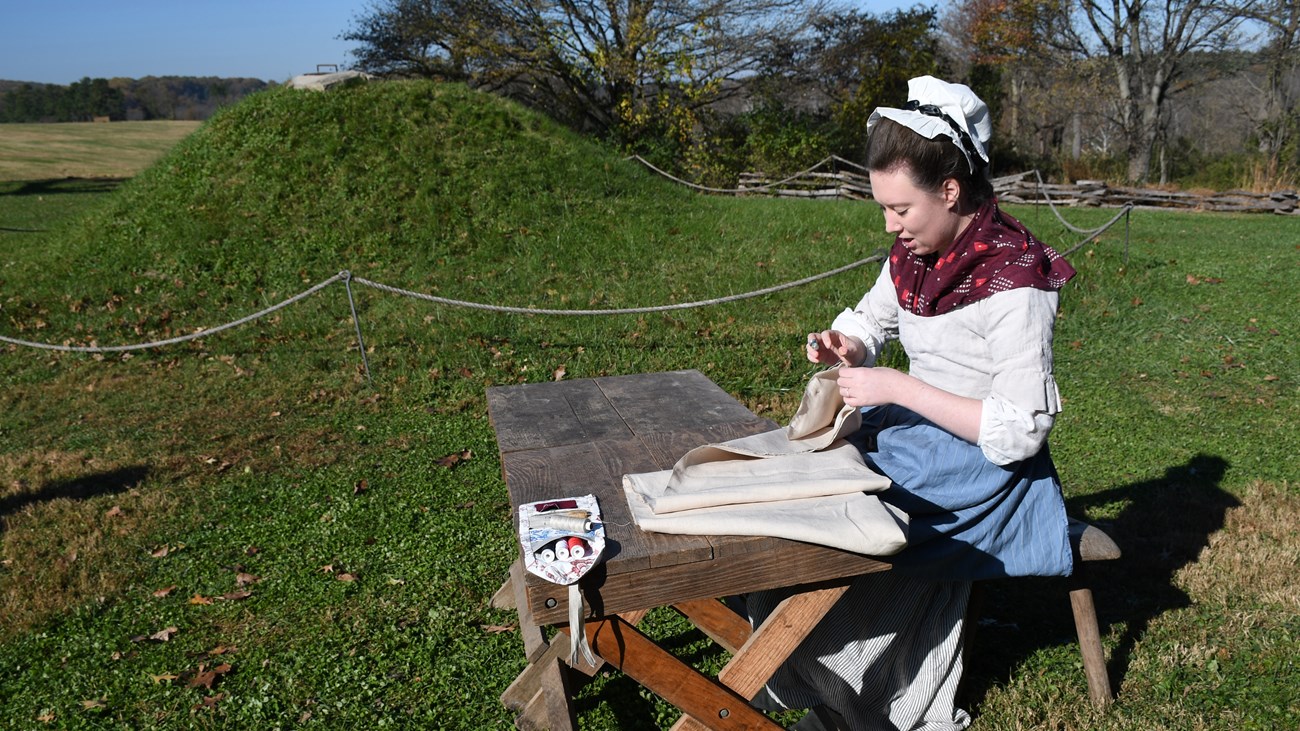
103	483
61	186
1163	526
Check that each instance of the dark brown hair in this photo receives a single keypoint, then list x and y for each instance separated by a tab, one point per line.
930	161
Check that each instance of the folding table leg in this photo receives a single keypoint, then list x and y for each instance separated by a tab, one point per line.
769	646
780	634
716	620
543	688
638	657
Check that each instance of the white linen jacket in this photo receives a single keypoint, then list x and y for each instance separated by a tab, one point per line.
998	350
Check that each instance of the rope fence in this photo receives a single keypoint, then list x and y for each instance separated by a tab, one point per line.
348	279
774	186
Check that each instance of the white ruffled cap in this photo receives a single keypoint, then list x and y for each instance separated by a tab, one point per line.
955	100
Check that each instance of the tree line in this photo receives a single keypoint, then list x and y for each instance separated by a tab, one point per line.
153	97
1132	91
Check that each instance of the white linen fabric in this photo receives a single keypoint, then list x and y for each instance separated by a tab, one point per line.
998	349
803	482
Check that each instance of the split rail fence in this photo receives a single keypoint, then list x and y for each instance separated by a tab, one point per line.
1028	188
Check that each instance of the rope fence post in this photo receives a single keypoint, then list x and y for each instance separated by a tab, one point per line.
1127	211
356	322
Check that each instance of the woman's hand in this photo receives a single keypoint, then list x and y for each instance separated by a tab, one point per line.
829	347
881	386
869	386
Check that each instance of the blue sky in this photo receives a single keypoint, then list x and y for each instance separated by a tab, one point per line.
62	41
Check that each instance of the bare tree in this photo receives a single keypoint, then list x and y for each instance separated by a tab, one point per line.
1277	121
1148	46
603	65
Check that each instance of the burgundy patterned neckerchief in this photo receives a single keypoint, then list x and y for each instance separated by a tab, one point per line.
994	254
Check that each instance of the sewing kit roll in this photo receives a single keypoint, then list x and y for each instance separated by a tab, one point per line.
562	540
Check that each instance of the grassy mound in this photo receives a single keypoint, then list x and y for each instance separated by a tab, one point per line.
405	174
429	187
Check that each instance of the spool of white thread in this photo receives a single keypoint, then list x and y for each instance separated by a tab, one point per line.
546	555
557	521
561	550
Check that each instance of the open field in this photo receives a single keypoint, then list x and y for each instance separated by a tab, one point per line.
85	149
250	502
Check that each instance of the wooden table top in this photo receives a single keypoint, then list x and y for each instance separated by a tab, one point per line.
568	438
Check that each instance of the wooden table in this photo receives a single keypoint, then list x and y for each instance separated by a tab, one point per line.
576	437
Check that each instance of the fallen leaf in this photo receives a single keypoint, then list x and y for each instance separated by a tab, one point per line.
496	629
1193	280
166	549
328	568
465	372
95	703
235	596
163	635
252	551
221	650
208	702
1270	377
114	512
160	593
559	373
455	458
243	579
205	678
200	599
360	487
164	678
346	577
45	717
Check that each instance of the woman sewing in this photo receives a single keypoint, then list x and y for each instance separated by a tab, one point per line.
972	297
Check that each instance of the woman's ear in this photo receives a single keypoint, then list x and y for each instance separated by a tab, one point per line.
951	192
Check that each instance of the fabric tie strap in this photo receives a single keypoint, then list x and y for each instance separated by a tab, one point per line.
968	145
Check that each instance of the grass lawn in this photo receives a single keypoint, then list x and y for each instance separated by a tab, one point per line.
115	150
242	532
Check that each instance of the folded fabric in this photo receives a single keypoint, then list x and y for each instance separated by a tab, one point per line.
803	482
728	474
855	522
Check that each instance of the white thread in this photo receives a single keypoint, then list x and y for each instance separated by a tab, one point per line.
571	523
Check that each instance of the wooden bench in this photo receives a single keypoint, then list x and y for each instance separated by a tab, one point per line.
1090	544
580	437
